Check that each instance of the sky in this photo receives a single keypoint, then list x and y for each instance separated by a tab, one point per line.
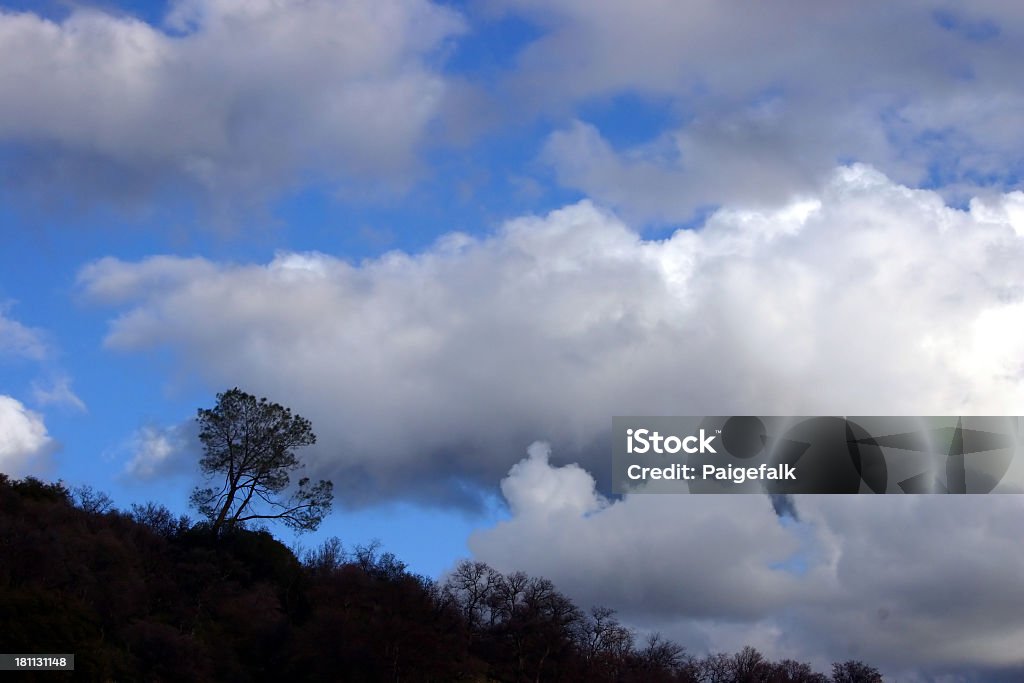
459	237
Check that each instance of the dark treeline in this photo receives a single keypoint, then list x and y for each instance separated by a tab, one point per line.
141	595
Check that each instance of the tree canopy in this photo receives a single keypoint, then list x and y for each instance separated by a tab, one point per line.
249	445
145	595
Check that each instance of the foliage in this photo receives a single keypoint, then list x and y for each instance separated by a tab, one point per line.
159	519
146	596
250	444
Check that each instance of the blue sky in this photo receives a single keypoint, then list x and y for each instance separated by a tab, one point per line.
448	233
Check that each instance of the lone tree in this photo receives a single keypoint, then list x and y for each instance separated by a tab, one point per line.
251	444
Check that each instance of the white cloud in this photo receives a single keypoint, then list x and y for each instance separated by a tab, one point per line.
762	99
158	452
913	584
17	340
24	443
633	548
229	96
20	341
57	392
422	372
534	486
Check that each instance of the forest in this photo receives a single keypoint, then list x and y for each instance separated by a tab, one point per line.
143	595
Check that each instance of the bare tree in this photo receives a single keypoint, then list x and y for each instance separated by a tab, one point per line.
852	671
604	640
471	587
89	499
660	654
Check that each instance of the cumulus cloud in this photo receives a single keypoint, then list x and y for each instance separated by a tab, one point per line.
24	442
228	96
920	585
763	99
919	578
424	373
633	548
534	485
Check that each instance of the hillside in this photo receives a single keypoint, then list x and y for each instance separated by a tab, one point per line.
142	595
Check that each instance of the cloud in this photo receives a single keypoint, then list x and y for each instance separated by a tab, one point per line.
558	507
427	374
762	100
162	451
234	98
24	443
58	392
20	341
534	485
934	587
919	585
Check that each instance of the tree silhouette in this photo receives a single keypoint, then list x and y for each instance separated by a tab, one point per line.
251	444
144	596
853	671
